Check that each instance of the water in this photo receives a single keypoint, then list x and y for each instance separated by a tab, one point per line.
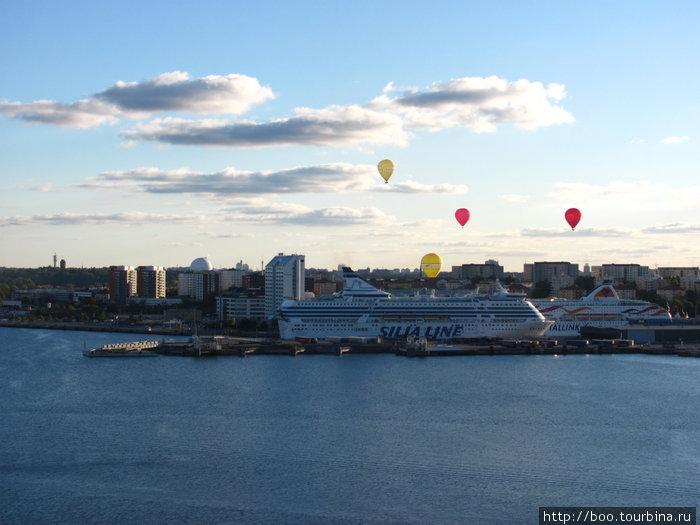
327	439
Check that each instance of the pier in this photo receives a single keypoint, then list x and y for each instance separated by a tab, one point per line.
214	346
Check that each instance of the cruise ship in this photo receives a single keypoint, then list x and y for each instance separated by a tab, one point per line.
362	311
602	308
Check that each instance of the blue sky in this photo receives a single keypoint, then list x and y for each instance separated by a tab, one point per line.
157	132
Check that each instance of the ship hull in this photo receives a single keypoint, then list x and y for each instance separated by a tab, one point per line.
434	331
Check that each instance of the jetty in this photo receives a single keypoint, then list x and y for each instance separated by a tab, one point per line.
214	346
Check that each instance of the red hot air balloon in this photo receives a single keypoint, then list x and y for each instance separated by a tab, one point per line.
462	215
572	216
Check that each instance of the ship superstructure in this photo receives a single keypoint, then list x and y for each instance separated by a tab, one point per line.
602	308
363	311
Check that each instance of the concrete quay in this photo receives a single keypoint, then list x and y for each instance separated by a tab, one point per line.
222	346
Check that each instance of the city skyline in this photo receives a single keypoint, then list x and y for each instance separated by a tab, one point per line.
226	130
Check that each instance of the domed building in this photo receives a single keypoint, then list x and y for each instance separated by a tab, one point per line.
201	264
200	281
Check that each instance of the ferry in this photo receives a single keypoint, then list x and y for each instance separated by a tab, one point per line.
362	311
602	308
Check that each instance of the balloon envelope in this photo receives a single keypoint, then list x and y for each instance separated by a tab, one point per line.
431	264
386	169
462	215
572	216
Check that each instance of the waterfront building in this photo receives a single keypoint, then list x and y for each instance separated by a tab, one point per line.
284	279
122	283
617	273
150	282
241	304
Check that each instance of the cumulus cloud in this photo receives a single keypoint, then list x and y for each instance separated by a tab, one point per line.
674	140
214	94
477	103
84	113
333	126
230	182
80	219
169	92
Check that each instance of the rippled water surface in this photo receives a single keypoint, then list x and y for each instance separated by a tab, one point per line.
327	439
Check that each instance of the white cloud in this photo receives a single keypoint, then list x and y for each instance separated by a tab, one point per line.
214	94
81	219
333	126
480	104
169	92
672	228
261	211
84	113
230	182
674	140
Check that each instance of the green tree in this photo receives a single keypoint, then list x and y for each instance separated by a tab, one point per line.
587	282
541	290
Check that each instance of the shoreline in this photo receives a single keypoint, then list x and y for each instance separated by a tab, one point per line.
214	344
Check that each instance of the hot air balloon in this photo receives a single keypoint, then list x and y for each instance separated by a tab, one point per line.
572	216
431	264
386	169
462	215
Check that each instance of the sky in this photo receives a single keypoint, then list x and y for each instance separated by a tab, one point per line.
153	133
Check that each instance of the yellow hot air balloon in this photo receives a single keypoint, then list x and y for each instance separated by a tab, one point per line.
431	264
386	169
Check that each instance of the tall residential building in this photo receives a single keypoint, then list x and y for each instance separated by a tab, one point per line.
490	269
549	271
284	279
150	282
687	276
122	283
197	285
558	274
617	273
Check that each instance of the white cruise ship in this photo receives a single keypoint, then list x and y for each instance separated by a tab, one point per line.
602	308
363	311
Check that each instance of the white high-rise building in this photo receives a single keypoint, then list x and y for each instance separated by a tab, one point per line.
284	279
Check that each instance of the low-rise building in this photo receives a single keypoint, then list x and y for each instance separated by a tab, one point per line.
242	303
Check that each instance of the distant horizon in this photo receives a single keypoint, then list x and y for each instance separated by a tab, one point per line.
446	268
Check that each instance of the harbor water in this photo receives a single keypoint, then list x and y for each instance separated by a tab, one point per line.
328	439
